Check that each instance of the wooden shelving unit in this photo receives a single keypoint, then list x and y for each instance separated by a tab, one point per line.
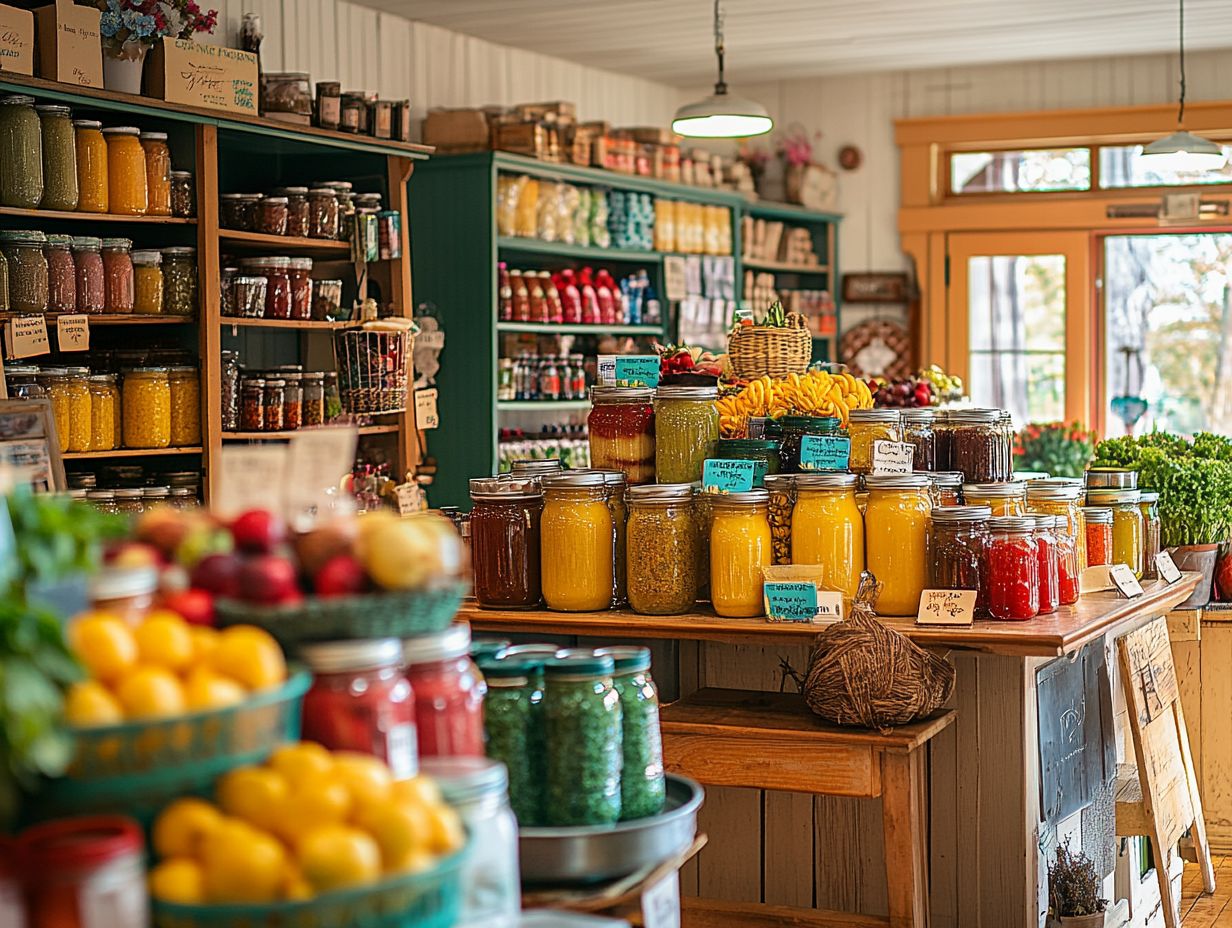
77	216
782	267
243	322
272	436
117	319
260	243
129	453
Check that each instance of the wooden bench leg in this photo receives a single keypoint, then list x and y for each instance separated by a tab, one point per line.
906	838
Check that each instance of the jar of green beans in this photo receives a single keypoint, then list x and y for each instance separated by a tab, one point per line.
511	726
642	784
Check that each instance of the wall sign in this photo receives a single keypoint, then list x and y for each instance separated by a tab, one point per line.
73	333
17	40
28	337
70	44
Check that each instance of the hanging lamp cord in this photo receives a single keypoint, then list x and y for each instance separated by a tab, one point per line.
1180	116
721	86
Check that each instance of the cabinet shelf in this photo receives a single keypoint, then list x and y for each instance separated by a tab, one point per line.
782	267
76	216
128	453
236	240
115	318
271	436
551	328
532	246
544	405
245	322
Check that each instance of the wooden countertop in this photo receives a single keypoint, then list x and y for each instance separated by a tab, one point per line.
1068	629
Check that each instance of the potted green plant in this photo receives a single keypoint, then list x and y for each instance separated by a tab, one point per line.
130	27
1073	890
1057	448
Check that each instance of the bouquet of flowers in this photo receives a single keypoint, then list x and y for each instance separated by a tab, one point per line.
127	23
1058	448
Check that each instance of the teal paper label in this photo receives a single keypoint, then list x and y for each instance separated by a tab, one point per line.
728	476
637	371
791	602
824	452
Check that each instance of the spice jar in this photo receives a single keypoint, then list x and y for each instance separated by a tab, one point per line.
314	405
147	282
1013	568
297	210
293	401
535	467
146	415
185	406
1148	502
1064	501
740	547
686	429
61	275
238	211
329	105
27	269
959	551
102	500
662	547
449	693
127	189
248	296
513	726
21	153
183	195
576	542
1128	526
179	281
782	489
918	432
59	158
272	216
90	277
1098	522
1049	566
643	787
104	413
322	213
945	487
896	538
795	428
333	399
252	405
866	426
129	500
275	396
360	701
583	722
91	166
1005	499
505	541
827	530
299	272
118	276
763	454
183	498
157	173
621	425
229	390
978	445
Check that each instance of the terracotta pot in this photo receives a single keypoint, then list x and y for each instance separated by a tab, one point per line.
1082	921
1200	558
123	67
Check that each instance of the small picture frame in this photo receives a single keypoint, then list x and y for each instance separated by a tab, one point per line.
29	446
876	287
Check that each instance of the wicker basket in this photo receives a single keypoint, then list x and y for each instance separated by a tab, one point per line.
758	351
373	369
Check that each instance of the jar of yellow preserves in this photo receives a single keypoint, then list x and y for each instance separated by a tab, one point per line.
865	426
1063	500
75	386
104	413
686	430
615	482
703	515
51	379
1128	526
185	406
740	548
146	408
896	539
91	166
147	282
662	549
157	172
127	193
1004	499
575	543
827	529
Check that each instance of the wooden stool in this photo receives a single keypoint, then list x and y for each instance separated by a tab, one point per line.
756	740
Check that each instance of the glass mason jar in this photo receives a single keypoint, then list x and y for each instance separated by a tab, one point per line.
1148	502
978	446
147	282
535	467
179	281
945	487
763	454
74	387
52	379
1111	478
1005	423
686	429
23	382
275	396
361	701
896	537
127	190
118	277
1063	500
513	728
314	400
959	555
183	195
505	542
1098	522
91	166
576	549
146	414
1013	569
237	211
90	276
1004	499
643	787
1049	566
104	413
1068	568
323	213
293	401
297	210
941	440
61	275
1128	526
662	546
155	497
157	172
183	498
621	425
272	216
59	158
333	398
229	390
27	267
130	501
828	530
449	692
185	406
614	480
740	547
865	426
252	404
21	153
794	428
299	272
918	432
102	500
782	490
584	726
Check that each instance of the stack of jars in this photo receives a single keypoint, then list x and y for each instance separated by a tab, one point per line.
278	287
977	442
280	400
136	500
50	161
324	210
1131	529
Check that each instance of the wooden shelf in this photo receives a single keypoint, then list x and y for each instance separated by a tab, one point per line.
273	436
789	212
245	322
75	216
545	405
551	328
533	246
116	318
782	267
128	453
235	240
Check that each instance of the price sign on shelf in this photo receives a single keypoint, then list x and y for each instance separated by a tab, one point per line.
946	607
28	337
724	476
638	370
1167	568
892	457
426	416
1096	579
824	452
792	601
73	333
661	903
1124	580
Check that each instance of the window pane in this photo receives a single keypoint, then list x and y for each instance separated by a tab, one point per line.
1020	171
1030	386
1123	166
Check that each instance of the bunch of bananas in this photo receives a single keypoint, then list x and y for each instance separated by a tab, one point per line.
817	393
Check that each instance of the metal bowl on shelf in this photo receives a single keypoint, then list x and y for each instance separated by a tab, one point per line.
599	853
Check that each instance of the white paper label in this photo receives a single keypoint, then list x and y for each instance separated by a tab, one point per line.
661	903
432	340
1124	580
1096	579
605	371
317	461
1167	568
946	607
675	278
410	498
73	333
829	608
425	409
28	337
892	457
402	747
250	477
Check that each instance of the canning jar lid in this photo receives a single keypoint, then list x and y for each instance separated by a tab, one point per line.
22	237
677	392
339	656
522	467
87	124
659	492
495	488
125	243
488	647
1115	496
147	257
873	415
292	191
156	492
539	651
826	481
779	481
179	251
277	201
98	580
254	383
233	196
573	479
155	136
146	370
1045	522
87	243
86	841
628	658
1007	524
16	99
1009	490
919	416
275	382
181	173
77	371
896	481
182	369
1148	496
59	241
962	514
340	184
947	478
323	191
455	641
1096	515
1054	491
1111	478
183	492
129	493
754	497
605	394
122	130
805	423
500	666
974	416
580	662
746	445
301	264
53	109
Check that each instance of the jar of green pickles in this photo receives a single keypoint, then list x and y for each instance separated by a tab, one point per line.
763	454
179	281
583	722
59	158
513	729
662	540
643	787
1148	503
686	430
1128	529
21	153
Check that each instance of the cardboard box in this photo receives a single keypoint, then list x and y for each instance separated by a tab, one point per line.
16	40
70	49
207	76
527	138
455	130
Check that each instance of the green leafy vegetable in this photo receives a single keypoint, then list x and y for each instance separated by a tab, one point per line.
58	536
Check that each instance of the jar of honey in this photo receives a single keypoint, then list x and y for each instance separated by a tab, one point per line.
91	166
127	190
157	173
577	555
740	548
896	535
147	282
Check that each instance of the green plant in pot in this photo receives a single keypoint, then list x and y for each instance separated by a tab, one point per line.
1057	448
1073	890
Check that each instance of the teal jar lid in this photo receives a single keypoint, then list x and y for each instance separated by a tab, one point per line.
628	659
488	647
577	662
743	446
810	423
504	668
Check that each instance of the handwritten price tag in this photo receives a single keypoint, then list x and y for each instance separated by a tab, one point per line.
824	452
637	370
1095	579
426	416
28	337
1167	568
661	903
1124	580
410	498
73	333
892	457
946	607
723	476
791	602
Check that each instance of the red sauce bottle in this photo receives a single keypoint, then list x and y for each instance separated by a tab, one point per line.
590	299
570	298
606	300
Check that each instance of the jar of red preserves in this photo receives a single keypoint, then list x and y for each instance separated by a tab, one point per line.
1013	568
622	431
361	701
61	275
119	287
90	276
449	691
1049	568
1098	523
505	541
299	271
959	551
1068	569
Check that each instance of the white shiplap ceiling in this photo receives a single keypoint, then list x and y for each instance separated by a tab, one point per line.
670	40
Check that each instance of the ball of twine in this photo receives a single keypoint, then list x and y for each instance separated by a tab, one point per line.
863	674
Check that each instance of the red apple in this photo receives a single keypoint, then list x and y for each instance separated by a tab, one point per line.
269	580
258	531
196	606
218	574
341	576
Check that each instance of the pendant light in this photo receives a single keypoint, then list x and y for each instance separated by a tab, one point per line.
721	116
1184	152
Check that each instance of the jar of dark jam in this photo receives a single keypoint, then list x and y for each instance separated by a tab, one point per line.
960	551
979	446
794	429
505	541
918	432
941	439
297	210
945	486
183	195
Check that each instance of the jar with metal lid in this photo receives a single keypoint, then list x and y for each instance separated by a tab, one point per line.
146	408
297	210
252	404
513	727
185	406
1068	569
275	396
1148	502
105	434
59	158
71	391
686	429
102	500
179	281
23	382
127	190
91	166
272	216
238	211
740	547
449	692
299	272
1049	566
945	487
361	701
614	481
621	425
353	112
782	490
53	381
763	453
576	542
323	220
1128	526
21	153
918	432
827	530
333	398
293	401
183	195
157	172
129	501
959	551
147	282
229	390
535	467
1005	499
90	275
61	275
314	399
643	786
866	426
1098	522
118	275
1111	478
1064	501
896	524
505	541
1013	568
152	497
277	286
794	429
247	295
368	201
584	725
183	498
226	298
941	440
978	445
662	547
27	267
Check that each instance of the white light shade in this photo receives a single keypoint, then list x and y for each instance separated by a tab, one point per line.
721	116
1185	153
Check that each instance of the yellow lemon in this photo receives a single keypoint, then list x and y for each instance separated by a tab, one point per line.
445	831
401	830
420	790
367	778
320	802
336	856
150	692
163	640
104	644
294	887
254	794
204	641
89	703
242	864
250	656
205	689
181	828
302	762
178	880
